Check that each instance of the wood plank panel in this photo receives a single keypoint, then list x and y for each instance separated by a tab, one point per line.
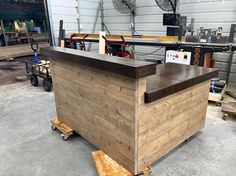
165	123
100	106
109	110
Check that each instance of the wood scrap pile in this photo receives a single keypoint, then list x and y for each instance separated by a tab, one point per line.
11	52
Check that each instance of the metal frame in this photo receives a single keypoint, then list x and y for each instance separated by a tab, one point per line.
4	34
103	25
48	22
102	16
231	56
30	70
61	32
189	46
78	14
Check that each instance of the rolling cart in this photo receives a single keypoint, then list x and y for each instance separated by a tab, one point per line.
39	68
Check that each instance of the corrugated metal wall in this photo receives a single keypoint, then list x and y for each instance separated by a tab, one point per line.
207	13
62	10
66	11
213	14
148	22
88	11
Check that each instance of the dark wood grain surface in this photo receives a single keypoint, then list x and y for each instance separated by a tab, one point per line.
127	67
162	80
171	78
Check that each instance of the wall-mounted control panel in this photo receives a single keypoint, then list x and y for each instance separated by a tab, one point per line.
178	57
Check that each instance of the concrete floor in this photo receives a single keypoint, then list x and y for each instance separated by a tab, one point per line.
29	147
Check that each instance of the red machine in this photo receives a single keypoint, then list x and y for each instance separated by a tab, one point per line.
81	42
117	48
112	47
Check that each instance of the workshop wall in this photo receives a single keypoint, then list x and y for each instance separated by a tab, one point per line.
88	11
148	21
66	11
207	13
59	10
213	14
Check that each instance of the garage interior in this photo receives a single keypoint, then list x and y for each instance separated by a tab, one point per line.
118	87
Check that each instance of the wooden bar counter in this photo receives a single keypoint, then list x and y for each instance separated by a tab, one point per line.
134	111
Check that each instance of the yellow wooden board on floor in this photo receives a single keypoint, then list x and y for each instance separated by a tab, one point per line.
108	167
62	127
229	108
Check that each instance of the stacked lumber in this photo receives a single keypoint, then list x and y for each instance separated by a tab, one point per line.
15	51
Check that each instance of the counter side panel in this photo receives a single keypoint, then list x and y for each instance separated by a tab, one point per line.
167	122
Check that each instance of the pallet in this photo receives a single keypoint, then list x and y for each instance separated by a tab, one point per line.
228	109
62	127
108	167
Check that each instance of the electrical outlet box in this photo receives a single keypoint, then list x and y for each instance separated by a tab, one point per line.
178	57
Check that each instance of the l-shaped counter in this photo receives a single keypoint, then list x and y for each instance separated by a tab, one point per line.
135	111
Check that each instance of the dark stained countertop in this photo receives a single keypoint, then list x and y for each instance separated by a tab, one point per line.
171	78
162	80
127	67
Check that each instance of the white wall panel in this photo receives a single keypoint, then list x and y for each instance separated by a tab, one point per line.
213	14
65	10
62	3
207	14
113	19
148	22
88	12
62	10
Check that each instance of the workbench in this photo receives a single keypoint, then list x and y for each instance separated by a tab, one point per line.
134	111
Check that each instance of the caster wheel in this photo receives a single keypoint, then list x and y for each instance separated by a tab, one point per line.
225	116
187	140
53	127
34	80
64	137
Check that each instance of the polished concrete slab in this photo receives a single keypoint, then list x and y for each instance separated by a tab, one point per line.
29	147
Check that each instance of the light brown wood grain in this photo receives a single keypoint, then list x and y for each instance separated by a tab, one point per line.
109	111
167	122
99	106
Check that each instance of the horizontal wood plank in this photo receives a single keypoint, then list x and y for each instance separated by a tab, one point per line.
165	123
99	106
